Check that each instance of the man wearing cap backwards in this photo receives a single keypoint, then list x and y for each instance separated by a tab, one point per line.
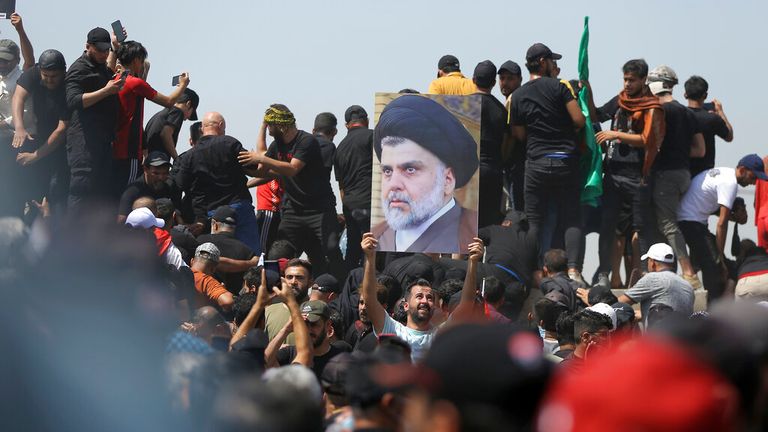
223	228
92	97
40	153
210	291
325	288
450	80
545	118
308	218
162	131
152	183
713	192
352	166
493	125
425	154
661	285
670	172
142	217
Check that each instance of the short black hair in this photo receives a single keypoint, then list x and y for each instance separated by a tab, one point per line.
493	289
590	322
252	277
556	260
399	314
130	51
448	288
298	262
637	67
195	131
564	326
282	249
243	306
393	289
696	88
549	311
416	282
337	322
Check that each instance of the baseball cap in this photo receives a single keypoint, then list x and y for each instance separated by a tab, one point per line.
661	79
190	95
448	61
100	38
755	164
327	283
52	60
485	71
208	251
607	310
325	120
225	214
624	313
156	159
142	217
334	376
539	50
355	112
660	252
9	51
314	310
510	67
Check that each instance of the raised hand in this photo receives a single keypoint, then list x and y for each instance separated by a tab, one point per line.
369	245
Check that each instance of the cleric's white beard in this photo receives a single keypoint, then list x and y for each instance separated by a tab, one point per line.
420	211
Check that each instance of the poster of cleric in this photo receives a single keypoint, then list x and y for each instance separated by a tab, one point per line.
425	182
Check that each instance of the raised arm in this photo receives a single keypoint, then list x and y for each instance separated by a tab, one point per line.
27	52
168	101
262	298
376	312
464	310
719	111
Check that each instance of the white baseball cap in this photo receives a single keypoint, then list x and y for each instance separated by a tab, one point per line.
142	217
605	309
660	252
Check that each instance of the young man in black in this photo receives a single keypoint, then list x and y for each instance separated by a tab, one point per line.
153	183
224	224
545	118
712	122
162	131
352	165
493	125
510	79
308	217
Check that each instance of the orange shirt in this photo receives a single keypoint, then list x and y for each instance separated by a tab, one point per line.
208	290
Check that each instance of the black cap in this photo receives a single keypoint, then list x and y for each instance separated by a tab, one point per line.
510	67
157	158
334	376
100	38
485	73
539	50
355	112
327	284
225	214
190	95
52	60
9	51
325	120
448	62
624	314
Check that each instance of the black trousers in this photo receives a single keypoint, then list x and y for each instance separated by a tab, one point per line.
552	197
703	249
90	163
268	222
358	221
491	191
316	234
515	179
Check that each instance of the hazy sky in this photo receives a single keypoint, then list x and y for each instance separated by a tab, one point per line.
316	56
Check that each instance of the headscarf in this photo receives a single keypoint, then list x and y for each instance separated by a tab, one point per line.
277	116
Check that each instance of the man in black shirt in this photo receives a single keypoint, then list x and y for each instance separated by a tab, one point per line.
152	184
493	123
510	79
352	165
162	131
185	204
710	123
545	117
671	175
92	98
211	175
325	130
42	155
223	227
181	236
308	217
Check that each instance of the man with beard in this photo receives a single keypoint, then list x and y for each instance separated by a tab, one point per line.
360	334
298	276
153	183
425	154
316	315
419	301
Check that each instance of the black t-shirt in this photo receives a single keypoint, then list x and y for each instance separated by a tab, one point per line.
96	123
138	189
710	125
352	162
212	176
230	247
310	189
361	338
172	117
514	248
675	152
328	153
286	355
50	106
493	124
539	105
184	241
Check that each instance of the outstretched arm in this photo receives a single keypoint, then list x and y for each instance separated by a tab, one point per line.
27	52
464	310
376	312
262	298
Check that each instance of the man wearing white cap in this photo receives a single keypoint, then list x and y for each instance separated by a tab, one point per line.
661	285
143	217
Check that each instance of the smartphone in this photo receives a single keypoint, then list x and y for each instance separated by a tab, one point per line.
117	27
175	80
709	106
272	265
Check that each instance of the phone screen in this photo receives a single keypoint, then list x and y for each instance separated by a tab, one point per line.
272	265
117	27
175	80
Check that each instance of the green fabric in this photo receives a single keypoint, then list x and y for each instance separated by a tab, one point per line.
591	162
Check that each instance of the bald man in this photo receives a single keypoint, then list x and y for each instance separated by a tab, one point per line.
211	175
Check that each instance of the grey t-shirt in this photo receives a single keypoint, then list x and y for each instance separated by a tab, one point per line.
664	287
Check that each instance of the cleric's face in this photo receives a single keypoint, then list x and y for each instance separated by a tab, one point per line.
415	184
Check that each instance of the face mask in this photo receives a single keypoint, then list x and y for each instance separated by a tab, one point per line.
542	332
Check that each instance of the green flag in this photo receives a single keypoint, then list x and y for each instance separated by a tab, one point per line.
591	162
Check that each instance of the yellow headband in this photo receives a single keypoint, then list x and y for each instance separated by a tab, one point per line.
277	116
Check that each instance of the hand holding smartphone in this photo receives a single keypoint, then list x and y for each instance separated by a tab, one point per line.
175	80
117	29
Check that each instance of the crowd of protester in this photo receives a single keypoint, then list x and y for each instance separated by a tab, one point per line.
146	292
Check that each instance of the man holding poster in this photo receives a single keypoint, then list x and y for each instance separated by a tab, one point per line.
425	155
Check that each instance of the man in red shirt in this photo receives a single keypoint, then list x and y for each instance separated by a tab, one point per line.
761	210
127	148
